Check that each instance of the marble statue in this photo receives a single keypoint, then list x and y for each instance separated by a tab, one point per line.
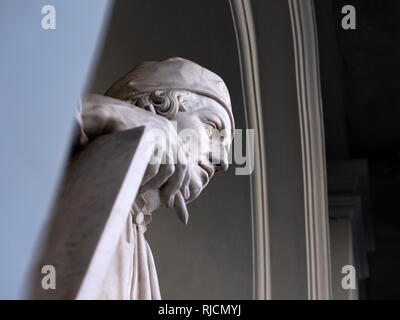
170	96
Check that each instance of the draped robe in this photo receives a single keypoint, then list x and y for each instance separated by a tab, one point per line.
132	273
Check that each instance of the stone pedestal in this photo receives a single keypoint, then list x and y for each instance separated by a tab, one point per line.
99	188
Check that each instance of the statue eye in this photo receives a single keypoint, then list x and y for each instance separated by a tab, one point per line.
211	128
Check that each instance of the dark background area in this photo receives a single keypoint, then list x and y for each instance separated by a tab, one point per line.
360	88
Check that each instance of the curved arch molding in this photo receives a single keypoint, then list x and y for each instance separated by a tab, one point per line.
316	228
313	147
246	41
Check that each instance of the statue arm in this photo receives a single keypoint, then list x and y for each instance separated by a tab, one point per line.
100	115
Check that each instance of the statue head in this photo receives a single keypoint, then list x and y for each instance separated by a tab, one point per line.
196	98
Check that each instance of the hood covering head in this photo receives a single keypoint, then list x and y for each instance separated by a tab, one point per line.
172	74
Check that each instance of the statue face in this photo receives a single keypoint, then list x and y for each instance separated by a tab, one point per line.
205	128
157	86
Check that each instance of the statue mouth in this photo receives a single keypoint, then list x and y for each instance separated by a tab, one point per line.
209	170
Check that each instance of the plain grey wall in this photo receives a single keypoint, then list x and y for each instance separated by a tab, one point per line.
211	257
